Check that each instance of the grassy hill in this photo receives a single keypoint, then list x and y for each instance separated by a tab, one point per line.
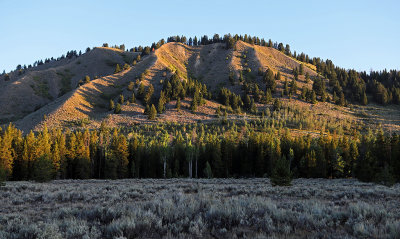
41	85
50	94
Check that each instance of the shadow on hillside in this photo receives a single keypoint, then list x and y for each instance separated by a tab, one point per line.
191	70
286	70
213	69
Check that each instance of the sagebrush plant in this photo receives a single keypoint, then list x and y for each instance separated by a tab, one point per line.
199	208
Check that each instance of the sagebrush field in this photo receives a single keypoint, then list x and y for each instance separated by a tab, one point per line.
199	208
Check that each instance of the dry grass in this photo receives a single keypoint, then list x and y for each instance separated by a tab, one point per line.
18	98
83	102
387	117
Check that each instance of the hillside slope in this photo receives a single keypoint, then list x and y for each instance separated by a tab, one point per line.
41	85
87	105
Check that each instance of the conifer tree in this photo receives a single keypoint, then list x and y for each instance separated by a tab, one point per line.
195	41
268	96
195	101
293	87
110	167
133	98
281	175
247	102
149	94
161	103
131	86
253	107
385	176
43	169
207	171
335	98
342	100
319	86
3	176
117	69
304	92
146	51
313	97
178	104
278	76
126	66
141	91
146	110
280	47
287	50
152	113
323	97
6	149
301	69
87	79
119	148
117	109
193	105
28	154
111	105
277	104
270	80
307	77
364	99
286	88
56	157
218	111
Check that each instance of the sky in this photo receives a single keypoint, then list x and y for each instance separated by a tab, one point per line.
354	34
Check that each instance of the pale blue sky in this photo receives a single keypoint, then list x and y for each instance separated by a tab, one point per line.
359	34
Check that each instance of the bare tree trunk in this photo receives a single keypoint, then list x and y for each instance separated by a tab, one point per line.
196	167
191	168
165	165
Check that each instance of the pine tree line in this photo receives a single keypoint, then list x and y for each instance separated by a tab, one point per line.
237	149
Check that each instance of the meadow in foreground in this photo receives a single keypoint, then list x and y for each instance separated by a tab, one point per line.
199	208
